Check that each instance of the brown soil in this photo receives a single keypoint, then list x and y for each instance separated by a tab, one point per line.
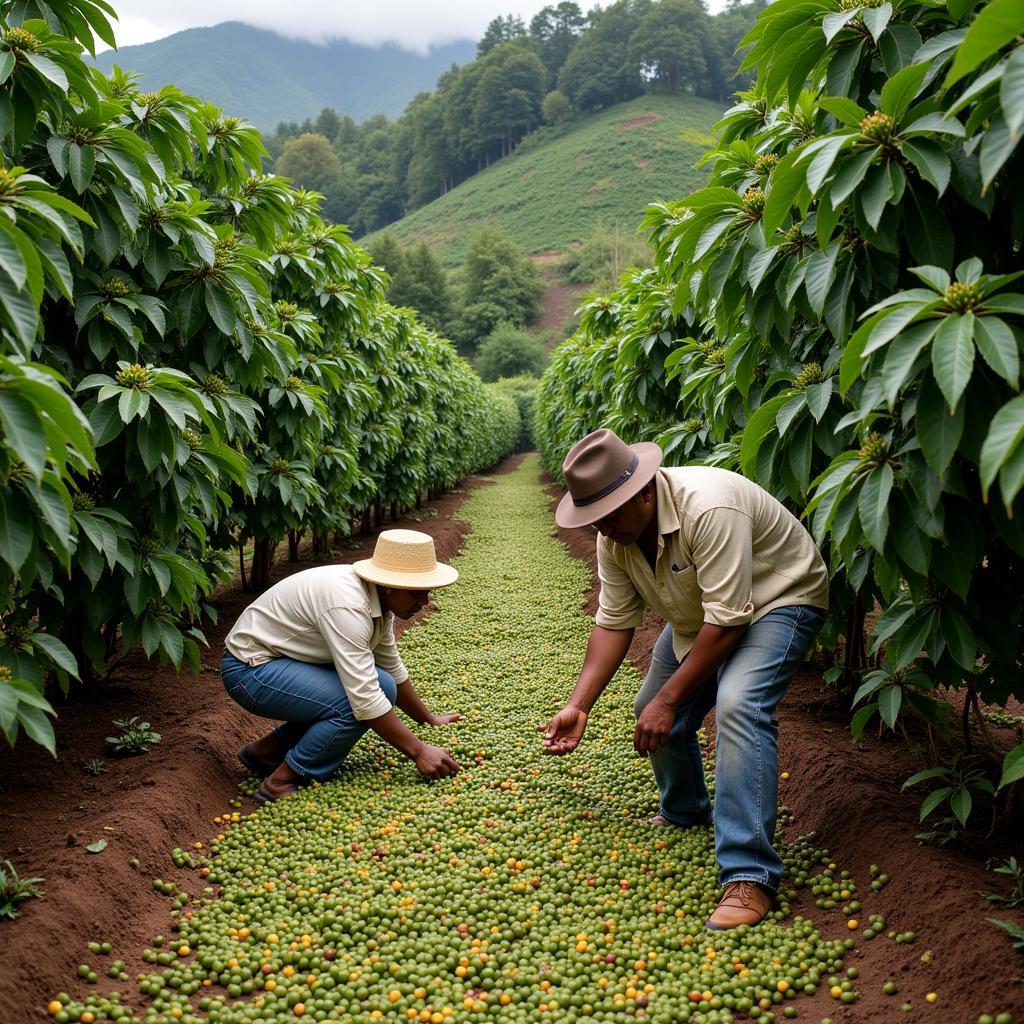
637	122
849	796
143	806
561	300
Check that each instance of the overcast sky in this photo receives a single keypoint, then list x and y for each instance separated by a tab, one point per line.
412	24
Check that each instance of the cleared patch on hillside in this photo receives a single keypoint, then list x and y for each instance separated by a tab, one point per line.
552	194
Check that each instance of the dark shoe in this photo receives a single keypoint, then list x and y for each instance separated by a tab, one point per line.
741	903
259	766
263	797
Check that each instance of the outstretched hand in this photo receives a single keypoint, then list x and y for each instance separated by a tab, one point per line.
444	719
564	732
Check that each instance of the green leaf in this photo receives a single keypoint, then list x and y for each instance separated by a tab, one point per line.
16	528
37	727
1011	92
98	847
997	24
910	545
876	19
875	194
938	431
933	800
998	346
48	69
843	109
901	355
996	146
953	355
787	183
7	62
890	700
937	772
960	803
873	505
936	277
821	269
927	229
81	164
220	308
1004	435
23	431
849	176
757	428
820	166
931	161
959	637
901	90
1013	766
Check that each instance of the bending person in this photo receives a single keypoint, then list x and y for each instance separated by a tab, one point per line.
318	651
743	591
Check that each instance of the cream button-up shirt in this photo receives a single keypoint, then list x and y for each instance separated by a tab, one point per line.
324	615
728	553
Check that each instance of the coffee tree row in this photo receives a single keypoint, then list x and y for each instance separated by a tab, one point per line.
190	358
839	315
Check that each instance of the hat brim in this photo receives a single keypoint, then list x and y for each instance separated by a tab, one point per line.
571	516
440	576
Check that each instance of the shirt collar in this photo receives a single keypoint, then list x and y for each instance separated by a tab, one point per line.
668	514
374	599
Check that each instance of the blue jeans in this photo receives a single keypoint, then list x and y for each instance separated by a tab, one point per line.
319	727
744	693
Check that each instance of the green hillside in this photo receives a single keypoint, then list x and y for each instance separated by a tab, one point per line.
602	168
257	74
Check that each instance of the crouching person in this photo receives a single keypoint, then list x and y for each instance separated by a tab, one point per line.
318	651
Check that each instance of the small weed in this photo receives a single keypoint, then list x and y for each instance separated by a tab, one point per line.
14	889
95	766
134	738
1016	895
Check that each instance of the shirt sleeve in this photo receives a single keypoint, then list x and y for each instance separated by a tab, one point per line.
620	605
386	653
346	631
723	548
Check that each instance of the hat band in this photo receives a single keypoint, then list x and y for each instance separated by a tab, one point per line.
608	488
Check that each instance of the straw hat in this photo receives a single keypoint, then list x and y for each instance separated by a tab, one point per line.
602	473
405	559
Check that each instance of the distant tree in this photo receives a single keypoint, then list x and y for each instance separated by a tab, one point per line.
507	98
554	30
508	351
598	72
669	43
346	136
310	162
421	283
556	107
725	31
328	123
428	170
507	29
385	252
498	283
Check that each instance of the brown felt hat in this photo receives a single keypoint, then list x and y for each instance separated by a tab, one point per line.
602	473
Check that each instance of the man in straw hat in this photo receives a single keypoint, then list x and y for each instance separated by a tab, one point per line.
318	651
743	591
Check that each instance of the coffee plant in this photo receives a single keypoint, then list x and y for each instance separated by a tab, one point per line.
190	359
839	315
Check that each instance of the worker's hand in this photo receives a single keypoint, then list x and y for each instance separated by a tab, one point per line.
564	732
443	719
436	762
653	727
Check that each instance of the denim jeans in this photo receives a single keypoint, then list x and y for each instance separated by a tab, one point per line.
744	693
319	728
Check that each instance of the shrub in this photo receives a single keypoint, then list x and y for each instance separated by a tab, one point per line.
510	352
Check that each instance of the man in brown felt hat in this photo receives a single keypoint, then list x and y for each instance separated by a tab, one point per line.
318	651
743	591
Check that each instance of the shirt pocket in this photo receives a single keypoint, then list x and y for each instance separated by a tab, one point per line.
685	598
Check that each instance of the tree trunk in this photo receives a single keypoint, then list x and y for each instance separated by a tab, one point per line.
856	655
419	502
241	563
321	543
366	520
262	559
294	536
394	511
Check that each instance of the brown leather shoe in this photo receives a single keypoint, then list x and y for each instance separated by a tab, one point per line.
741	903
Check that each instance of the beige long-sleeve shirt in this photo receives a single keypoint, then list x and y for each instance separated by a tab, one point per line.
324	615
728	553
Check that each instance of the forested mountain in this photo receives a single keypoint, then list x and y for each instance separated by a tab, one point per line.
266	78
564	65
